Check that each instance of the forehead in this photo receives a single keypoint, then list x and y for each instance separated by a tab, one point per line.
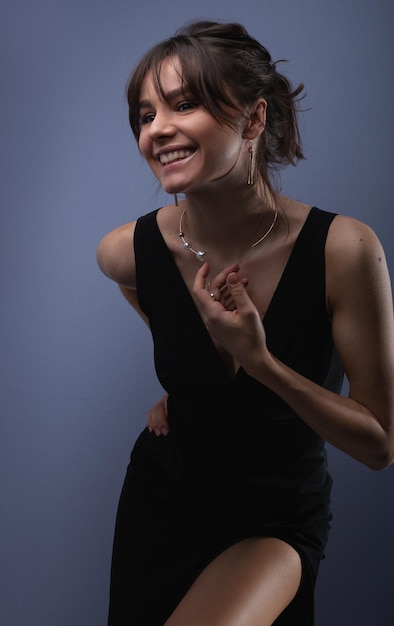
162	81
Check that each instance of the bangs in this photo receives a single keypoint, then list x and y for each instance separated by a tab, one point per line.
226	71
202	77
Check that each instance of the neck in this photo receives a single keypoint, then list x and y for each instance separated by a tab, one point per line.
214	217
230	221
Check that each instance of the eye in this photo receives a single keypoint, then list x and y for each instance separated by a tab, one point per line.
146	119
186	105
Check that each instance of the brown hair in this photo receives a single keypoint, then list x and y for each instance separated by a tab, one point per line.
223	67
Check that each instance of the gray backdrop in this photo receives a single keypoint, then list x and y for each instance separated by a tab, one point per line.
76	364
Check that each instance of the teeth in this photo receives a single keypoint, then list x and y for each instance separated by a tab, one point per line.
169	157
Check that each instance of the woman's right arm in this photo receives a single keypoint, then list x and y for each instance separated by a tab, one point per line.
115	256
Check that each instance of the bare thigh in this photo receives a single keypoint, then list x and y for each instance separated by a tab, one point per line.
249	584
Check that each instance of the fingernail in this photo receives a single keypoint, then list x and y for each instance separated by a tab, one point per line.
233	278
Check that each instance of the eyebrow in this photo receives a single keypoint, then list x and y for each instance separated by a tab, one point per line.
175	93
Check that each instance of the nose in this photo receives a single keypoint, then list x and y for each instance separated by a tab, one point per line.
161	126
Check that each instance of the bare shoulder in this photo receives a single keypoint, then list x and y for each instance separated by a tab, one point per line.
354	257
115	255
352	241
352	233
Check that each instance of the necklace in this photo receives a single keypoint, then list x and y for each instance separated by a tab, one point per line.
201	254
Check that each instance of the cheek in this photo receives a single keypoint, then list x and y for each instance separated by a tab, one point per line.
230	150
142	145
145	144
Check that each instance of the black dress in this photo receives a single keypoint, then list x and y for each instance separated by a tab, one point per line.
238	462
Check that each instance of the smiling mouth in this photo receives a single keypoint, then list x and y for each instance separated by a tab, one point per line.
177	155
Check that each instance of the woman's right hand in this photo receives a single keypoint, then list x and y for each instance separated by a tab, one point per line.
157	419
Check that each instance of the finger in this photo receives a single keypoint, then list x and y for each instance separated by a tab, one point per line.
220	295
158	429
219	280
204	297
238	291
218	289
226	296
161	427
153	425
218	284
157	420
201	277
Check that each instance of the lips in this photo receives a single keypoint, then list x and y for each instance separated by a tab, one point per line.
176	155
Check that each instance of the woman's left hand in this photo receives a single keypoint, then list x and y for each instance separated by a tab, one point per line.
157	418
233	320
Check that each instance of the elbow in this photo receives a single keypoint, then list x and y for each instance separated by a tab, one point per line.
379	465
382	450
383	459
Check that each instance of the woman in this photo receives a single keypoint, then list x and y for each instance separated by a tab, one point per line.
224	520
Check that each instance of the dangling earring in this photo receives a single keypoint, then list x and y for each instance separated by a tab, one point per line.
176	199
250	180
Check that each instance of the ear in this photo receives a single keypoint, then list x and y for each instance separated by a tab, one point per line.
255	121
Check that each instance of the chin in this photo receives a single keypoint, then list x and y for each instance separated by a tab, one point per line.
172	189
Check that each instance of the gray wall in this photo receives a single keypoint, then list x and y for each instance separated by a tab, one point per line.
76	367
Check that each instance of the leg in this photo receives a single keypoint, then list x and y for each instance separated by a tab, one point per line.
249	584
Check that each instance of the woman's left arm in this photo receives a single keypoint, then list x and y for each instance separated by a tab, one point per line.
360	303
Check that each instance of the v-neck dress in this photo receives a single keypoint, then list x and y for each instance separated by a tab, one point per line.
238	462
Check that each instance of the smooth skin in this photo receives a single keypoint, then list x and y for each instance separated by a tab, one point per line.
252	582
